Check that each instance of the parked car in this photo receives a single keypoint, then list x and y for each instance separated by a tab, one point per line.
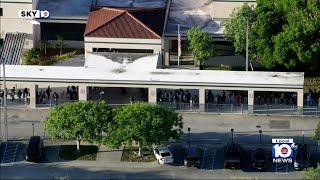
35	149
233	156
301	157
191	156
163	155
259	159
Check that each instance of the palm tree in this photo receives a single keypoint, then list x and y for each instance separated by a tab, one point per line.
31	55
45	45
60	42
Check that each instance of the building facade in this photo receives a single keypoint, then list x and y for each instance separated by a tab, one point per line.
71	23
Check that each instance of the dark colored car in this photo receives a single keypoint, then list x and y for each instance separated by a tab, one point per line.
191	156
35	149
259	159
301	157
233	156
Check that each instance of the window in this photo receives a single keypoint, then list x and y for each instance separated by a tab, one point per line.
1	11
68	31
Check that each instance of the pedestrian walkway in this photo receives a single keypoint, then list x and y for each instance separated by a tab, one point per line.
9	155
106	157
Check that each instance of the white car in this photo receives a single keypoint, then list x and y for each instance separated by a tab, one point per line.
163	155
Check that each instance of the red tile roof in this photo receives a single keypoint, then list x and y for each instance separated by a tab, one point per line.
126	23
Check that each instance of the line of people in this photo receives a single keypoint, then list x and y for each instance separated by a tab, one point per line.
236	98
46	96
177	96
313	98
13	93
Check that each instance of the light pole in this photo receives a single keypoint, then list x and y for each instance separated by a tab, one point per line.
247	45
260	132
189	129
302	137
232	135
32	129
5	101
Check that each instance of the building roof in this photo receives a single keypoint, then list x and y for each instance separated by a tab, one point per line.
205	14
189	14
80	9
126	23
144	72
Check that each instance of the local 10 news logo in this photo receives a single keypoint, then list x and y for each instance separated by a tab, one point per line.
283	150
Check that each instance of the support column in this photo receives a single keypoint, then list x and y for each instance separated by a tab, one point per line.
166	51
300	101
250	101
202	99
152	95
83	90
33	96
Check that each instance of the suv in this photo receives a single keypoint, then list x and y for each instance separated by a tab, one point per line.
233	156
301	157
259	159
35	149
191	156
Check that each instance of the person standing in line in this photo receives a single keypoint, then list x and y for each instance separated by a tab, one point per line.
191	103
282	98
48	92
55	97
19	95
25	93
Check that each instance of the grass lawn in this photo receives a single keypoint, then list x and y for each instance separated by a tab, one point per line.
130	154
87	152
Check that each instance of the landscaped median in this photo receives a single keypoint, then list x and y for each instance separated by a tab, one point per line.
130	154
87	152
136	127
36	57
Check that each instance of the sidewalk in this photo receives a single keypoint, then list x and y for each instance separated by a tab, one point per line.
106	158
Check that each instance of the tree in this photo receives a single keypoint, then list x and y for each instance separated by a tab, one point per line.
284	33
312	174
317	133
201	45
144	124
235	29
81	121
60	43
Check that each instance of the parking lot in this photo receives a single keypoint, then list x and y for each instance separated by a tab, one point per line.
212	157
208	132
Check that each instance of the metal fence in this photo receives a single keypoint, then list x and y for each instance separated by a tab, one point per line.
266	109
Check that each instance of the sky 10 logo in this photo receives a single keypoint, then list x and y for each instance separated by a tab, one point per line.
283	150
36	14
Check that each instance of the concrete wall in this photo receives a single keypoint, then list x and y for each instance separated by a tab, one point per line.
11	22
69	44
119	43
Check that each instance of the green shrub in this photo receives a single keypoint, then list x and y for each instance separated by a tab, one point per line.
31	57
66	56
312	83
221	68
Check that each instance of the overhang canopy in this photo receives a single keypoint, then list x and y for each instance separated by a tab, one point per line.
144	71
